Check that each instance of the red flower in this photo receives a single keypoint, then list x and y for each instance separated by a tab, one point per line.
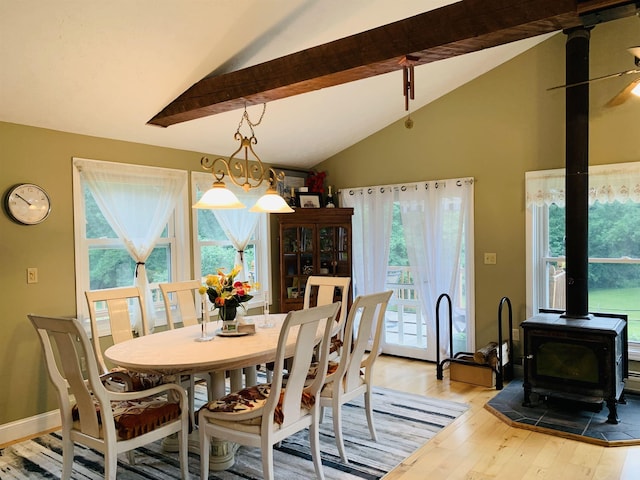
315	182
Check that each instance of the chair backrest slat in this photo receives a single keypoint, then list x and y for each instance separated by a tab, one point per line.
369	310
185	301
67	350
304	324
323	289
120	321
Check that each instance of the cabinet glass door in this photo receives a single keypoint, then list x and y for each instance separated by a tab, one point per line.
297	249
334	248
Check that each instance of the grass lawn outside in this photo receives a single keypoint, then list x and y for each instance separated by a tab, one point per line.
625	301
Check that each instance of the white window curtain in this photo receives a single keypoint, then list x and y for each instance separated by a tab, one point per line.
607	184
137	202
436	217
238	225
371	226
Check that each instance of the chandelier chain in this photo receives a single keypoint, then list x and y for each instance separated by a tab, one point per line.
245	116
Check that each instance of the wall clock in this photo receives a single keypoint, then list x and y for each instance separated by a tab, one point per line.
27	204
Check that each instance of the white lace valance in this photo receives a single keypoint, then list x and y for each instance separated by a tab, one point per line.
607	183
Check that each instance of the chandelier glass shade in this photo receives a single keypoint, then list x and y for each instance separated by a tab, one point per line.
271	202
219	196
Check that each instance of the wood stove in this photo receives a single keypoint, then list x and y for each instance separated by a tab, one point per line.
575	354
581	360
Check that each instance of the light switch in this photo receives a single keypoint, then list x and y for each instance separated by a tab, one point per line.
32	275
490	259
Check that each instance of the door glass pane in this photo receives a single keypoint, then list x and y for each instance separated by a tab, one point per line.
404	324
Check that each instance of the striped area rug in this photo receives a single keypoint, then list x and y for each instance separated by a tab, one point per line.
403	423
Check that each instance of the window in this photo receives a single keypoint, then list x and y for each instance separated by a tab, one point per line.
614	243
104	258
225	238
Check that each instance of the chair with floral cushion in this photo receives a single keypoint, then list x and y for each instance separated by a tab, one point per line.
263	415
352	374
183	310
108	421
321	290
120	303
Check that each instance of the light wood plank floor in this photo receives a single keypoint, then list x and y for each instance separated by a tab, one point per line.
478	446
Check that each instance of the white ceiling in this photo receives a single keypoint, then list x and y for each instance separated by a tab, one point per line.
104	68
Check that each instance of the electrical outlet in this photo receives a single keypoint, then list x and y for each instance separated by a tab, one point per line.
515	334
490	259
32	275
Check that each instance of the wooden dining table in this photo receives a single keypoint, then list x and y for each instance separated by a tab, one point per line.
179	352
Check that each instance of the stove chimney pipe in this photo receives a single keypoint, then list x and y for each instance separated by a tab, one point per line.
577	173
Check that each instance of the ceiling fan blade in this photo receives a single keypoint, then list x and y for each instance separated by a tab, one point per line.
624	95
604	77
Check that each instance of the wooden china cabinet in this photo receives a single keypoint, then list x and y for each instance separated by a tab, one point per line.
313	241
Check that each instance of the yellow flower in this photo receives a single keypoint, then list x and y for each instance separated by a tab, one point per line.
202	290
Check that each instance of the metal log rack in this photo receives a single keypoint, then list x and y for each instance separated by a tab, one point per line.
502	371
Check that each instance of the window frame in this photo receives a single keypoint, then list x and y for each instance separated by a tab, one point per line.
177	239
537	246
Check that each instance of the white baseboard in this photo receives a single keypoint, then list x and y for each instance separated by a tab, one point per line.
28	427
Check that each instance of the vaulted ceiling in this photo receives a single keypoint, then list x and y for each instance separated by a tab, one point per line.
329	70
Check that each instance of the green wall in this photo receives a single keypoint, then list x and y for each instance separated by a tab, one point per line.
44	157
494	129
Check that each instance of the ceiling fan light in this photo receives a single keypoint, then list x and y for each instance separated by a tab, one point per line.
636	90
271	202
219	196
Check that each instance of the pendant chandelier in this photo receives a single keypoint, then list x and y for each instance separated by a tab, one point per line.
243	174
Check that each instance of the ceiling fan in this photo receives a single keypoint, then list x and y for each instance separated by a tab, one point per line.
632	89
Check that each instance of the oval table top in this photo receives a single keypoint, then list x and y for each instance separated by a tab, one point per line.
176	351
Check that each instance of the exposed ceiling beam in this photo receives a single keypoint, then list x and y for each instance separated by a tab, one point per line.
449	31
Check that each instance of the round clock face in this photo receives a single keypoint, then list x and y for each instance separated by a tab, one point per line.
27	203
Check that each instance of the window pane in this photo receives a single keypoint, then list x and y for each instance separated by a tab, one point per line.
214	257
622	295
614	233
96	225
614	230
111	267
556	231
208	227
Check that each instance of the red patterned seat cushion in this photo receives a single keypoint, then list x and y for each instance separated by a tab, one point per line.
135	417
142	381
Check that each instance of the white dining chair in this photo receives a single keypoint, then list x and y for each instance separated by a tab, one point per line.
108	421
183	308
120	303
353	371
263	415
320	290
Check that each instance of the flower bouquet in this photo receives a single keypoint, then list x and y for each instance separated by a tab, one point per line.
226	294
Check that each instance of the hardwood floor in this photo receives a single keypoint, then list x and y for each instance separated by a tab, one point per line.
478	446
